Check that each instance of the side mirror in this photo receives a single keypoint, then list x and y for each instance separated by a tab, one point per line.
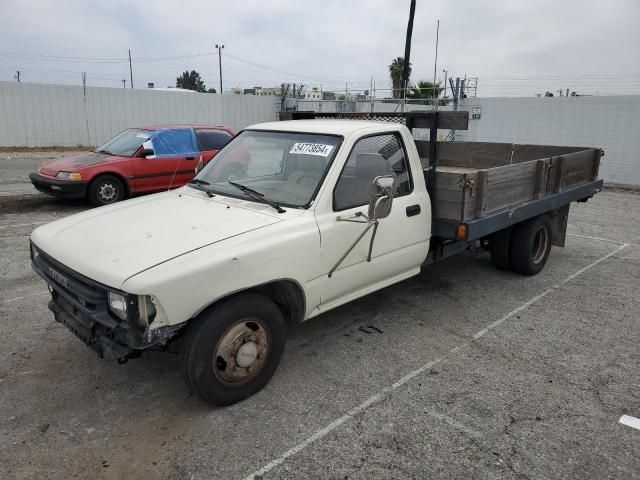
200	165
381	197
147	152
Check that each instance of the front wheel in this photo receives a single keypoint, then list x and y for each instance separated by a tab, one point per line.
233	349
105	190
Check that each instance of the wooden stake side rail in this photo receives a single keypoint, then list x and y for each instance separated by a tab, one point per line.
476	179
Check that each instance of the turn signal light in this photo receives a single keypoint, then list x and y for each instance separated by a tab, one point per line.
461	232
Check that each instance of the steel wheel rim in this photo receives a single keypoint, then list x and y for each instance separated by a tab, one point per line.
107	192
233	352
540	245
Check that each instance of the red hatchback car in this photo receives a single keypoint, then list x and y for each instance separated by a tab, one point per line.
134	162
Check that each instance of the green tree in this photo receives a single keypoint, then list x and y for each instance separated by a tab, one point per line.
425	89
395	72
211	90
190	81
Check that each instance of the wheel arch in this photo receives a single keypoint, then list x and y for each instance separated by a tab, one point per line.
119	176
286	293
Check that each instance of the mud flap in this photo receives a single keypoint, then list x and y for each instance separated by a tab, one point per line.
559	218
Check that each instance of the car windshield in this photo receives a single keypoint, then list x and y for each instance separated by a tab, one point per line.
126	143
282	167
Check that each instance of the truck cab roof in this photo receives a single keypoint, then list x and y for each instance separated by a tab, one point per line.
326	126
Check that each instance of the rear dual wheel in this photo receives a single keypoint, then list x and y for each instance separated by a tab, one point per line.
523	248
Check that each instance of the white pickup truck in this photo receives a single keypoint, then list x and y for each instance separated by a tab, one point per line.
323	211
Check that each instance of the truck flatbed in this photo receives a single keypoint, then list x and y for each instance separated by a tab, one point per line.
489	186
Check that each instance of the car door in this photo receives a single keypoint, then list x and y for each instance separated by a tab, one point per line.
172	164
211	140
401	239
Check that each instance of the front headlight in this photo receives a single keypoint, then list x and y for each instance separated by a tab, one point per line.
69	176
34	252
118	305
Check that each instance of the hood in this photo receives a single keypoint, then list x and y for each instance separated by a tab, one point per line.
72	163
110	244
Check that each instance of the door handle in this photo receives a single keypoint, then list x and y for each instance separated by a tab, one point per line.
413	210
189	158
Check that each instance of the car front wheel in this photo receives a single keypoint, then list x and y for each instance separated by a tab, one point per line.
105	190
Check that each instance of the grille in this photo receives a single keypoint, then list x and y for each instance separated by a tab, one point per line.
81	291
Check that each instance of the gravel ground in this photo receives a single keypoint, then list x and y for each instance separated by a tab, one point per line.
461	372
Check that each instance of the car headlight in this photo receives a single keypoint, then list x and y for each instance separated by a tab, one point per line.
146	309
69	176
34	252
118	305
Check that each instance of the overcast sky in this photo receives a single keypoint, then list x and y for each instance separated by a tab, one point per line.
514	47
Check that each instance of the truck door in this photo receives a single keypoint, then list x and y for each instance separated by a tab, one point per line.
401	240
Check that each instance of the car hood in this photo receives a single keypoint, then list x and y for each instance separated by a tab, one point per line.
110	244
73	163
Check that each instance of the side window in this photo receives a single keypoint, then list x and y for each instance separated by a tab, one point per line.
371	157
212	139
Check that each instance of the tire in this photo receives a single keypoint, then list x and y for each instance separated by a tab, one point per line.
530	245
105	190
248	329
500	245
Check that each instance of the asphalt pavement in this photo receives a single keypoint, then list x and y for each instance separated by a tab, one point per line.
461	372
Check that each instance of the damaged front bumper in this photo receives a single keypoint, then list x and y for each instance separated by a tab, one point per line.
81	304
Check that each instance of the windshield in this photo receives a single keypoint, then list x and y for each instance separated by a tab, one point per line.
126	143
283	167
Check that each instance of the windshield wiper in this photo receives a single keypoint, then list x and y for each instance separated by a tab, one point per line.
250	192
197	181
105	151
201	185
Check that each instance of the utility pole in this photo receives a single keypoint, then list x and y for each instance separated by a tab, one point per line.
435	66
17	76
220	47
124	83
407	51
130	69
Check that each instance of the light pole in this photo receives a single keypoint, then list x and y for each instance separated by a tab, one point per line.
220	47
445	82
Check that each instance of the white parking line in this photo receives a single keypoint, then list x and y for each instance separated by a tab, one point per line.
452	422
630	421
601	239
388	390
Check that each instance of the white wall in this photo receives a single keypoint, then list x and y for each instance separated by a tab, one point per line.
38	115
611	123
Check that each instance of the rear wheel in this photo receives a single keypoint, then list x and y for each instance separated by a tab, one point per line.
500	246
234	348
530	245
105	190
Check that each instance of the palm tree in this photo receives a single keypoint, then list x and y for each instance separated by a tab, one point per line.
395	72
425	89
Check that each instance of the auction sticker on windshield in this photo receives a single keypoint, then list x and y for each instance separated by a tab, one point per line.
311	149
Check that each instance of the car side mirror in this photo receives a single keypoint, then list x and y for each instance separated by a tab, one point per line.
381	197
200	165
147	152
